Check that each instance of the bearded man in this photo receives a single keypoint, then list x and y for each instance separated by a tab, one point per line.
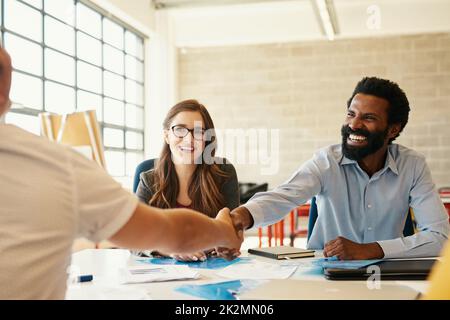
364	187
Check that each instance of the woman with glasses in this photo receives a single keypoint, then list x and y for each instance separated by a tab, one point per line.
187	174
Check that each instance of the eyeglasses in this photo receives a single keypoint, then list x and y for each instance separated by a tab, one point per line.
181	132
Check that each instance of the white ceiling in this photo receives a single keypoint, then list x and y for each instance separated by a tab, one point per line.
253	22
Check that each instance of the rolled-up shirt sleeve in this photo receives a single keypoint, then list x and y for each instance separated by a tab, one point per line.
431	218
269	207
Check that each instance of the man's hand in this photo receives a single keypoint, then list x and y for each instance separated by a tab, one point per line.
345	249
235	236
5	80
242	220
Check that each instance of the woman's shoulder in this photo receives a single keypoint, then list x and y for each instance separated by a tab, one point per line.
225	165
147	177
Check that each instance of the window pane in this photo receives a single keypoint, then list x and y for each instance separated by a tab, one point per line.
21	50
114	112
133	159
134	93
89	49
134	45
89	77
113	138
113	59
23	20
26	91
115	162
134	69
134	116
62	9
113	33
134	140
59	67
26	122
58	98
113	85
34	3
59	36
89	101
89	21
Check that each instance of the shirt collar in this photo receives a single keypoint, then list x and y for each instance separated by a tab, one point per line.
390	162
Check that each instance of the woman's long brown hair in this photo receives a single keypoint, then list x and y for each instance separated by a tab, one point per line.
204	187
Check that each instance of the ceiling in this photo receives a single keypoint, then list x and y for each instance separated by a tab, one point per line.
200	23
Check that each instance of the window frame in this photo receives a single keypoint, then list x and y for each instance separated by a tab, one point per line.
104	16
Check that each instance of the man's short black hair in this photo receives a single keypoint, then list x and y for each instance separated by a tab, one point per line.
398	103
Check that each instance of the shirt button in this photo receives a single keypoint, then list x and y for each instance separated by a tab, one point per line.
369	206
369	228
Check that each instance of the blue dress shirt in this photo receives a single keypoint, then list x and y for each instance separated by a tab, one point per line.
361	208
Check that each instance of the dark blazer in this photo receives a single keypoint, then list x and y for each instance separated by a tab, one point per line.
229	188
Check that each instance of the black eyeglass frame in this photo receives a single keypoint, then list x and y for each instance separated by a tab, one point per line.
192	131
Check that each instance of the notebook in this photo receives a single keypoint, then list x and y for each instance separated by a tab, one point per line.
282	252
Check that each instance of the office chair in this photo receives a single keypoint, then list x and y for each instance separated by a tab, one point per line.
408	230
142	167
248	190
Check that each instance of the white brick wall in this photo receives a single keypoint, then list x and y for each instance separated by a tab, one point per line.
302	89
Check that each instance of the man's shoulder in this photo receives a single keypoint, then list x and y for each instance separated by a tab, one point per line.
17	137
401	153
331	153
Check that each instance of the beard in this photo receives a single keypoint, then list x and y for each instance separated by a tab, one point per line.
375	140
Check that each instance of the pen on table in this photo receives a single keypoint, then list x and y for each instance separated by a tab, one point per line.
85	278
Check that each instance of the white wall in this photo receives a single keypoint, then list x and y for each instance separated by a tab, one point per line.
140	14
294	21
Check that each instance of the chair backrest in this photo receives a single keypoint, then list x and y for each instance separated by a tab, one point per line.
408	230
142	167
248	190
312	216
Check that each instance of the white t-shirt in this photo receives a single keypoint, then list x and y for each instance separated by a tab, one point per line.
50	195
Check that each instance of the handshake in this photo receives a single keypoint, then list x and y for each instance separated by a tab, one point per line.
233	224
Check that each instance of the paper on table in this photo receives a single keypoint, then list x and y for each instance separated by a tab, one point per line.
210	263
142	274
226	290
257	270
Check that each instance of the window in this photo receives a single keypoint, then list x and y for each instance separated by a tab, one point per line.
67	56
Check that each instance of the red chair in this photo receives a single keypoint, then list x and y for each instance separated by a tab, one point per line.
445	197
296	231
276	230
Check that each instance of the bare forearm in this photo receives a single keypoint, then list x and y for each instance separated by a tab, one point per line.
173	231
189	231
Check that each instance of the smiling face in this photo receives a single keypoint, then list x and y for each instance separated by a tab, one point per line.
366	128
185	149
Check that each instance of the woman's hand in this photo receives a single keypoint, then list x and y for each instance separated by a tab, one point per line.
197	256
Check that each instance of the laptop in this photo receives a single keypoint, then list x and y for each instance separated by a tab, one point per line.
409	269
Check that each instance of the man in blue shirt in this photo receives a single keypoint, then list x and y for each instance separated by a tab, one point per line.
364	187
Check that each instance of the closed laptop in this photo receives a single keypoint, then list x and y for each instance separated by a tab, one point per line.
388	270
